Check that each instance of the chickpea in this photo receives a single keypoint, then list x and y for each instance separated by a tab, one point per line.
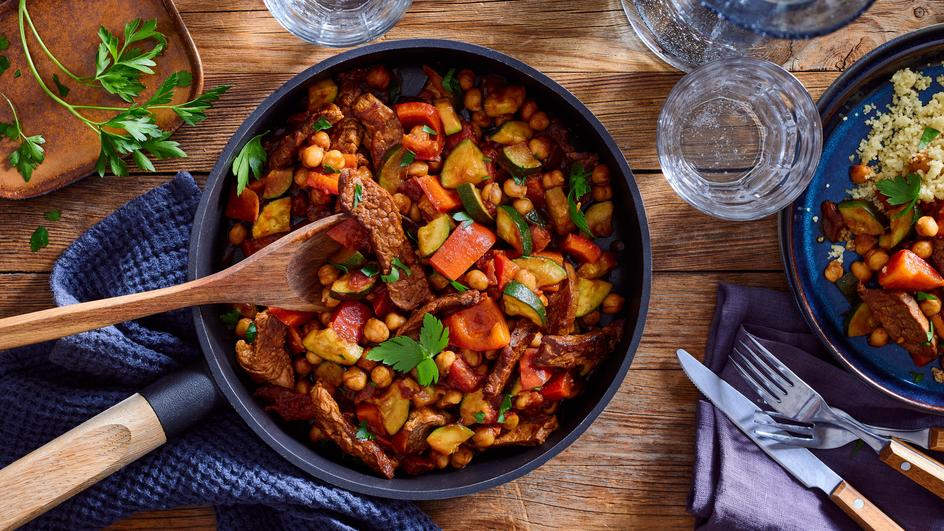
312	156
591	319
327	274
876	259
451	398
355	379
861	271
302	367
403	203
321	139
334	158
511	420
601	174
523	205
536	342
492	193
440	460
444	361
859	173
931	306
926	226
481	119
382	376
938	325
237	234
539	121
466	79
864	243
878	337
922	248
375	331
425	396
602	193
528	109
394	321
313	359
484	436
552	179
242	326
366	364
526	399
540	147
473	99
472	357
378	77
833	270
328	299
417	169
461	457
300	177
315	434
513	189
527	278
415	214
476	280
613	303
330	373
438	281
303	387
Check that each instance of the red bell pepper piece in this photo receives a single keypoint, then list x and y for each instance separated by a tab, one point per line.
532	377
369	412
349	233
535	191
467	133
443	200
381	302
463	247
414	115
327	182
295	341
462	377
581	248
291	317
243	207
349	319
505	269
479	327
908	271
560	387
540	238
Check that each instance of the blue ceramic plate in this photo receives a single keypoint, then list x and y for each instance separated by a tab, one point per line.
867	82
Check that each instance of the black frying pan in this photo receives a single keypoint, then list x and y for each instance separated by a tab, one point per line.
175	402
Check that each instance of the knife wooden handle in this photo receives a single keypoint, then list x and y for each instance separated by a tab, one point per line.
860	509
936	439
918	467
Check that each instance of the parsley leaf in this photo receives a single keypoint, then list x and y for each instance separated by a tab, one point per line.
577	215
340	267
250	159
927	137
519	179
504	407
451	83
321	125
63	90
29	155
479	416
404	353
39	239
463	219
392	276
53	215
901	191
230	318
370	270
251	332
459	287
922	296
577	180
916	377
358	192
119	69
4	43
433	336
330	170
427	371
397	263
4	63
408	158
930	333
363	433
17	73
194	111
429	130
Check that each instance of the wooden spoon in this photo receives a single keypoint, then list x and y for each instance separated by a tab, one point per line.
283	274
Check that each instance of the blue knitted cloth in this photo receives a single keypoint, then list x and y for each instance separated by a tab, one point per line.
47	389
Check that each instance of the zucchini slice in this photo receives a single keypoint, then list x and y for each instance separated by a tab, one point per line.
900	226
448	116
514	229
512	133
472	203
327	344
446	439
276	217
348	259
353	285
432	235
277	182
546	271
519	300
466	164
394	409
860	321
590	294
391	173
519	160
848	284
861	217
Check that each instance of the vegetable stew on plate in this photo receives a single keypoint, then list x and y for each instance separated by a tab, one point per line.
469	297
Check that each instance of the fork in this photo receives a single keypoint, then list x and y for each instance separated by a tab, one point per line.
823	435
793	398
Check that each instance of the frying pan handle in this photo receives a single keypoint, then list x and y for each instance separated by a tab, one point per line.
95	449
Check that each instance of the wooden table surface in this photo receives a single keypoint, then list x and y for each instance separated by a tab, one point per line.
632	468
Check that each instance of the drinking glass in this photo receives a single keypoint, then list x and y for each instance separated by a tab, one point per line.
337	23
739	138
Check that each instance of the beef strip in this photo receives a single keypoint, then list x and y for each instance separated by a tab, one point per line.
411	438
346	136
343	433
902	318
266	359
438	307
286	403
584	351
563	305
559	132
937	254
349	88
286	150
377	213
530	432
383	129
507	360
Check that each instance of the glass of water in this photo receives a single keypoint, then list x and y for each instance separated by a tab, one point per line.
338	23
739	138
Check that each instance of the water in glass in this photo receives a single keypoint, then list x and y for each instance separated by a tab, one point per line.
338	22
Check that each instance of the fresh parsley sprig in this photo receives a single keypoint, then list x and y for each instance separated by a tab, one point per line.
358	194
39	238
922	296
901	191
927	137
463	219
504	407
451	83
578	187
363	432
404	353
248	161
30	153
321	124
458	286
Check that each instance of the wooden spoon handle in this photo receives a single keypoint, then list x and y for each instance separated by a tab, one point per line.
67	320
77	459
918	467
860	509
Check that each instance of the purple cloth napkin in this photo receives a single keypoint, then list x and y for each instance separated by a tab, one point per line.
736	486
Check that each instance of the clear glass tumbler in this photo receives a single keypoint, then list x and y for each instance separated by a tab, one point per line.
338	23
739	138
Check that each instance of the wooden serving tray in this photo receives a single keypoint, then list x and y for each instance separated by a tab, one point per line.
69	29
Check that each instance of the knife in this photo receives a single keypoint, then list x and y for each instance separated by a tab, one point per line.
799	462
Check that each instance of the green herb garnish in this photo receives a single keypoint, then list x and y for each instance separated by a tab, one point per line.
459	287
463	219
930	333
370	270
927	137
451	83
341	267
479	416
4	63
397	263
916	377
251	333
17	73
363	433
30	153
358	192
249	160
408	158
429	130
230	318
504	407
922	296
330	170
4	43
901	191
39	238
53	215
404	353
392	276
321	124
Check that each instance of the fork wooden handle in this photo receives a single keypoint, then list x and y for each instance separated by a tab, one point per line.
860	509
918	467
